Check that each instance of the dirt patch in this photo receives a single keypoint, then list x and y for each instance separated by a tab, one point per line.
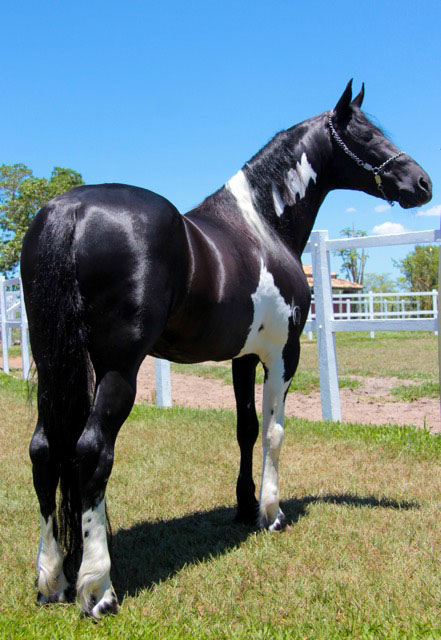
371	403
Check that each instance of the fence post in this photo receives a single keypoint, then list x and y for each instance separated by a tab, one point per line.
324	314
439	321
163	383
371	310
5	354
24	334
435	305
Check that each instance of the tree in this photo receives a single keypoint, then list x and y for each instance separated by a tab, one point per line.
353	261
420	270
379	283
21	196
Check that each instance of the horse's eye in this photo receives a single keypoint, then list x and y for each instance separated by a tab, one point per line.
364	136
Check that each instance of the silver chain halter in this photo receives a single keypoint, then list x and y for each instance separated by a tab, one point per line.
365	165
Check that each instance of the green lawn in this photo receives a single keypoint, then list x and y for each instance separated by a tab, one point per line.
401	354
360	557
404	355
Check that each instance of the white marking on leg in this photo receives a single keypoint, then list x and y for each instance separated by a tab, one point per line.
93	585
267	338
239	187
272	437
297	180
52	582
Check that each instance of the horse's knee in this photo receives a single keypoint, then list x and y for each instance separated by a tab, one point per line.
95	460
39	451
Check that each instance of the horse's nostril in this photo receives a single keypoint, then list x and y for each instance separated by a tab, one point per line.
424	184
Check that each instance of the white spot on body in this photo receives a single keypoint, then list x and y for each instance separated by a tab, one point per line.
94	575
271	311
297	180
52	582
239	187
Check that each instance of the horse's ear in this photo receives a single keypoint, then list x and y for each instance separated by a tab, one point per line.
342	106
357	102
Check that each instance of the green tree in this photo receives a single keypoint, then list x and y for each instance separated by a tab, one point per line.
420	270
21	196
353	261
379	283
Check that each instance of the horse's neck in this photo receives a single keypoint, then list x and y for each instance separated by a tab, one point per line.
289	179
280	190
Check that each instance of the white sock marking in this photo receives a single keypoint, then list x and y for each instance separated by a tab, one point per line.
51	579
94	574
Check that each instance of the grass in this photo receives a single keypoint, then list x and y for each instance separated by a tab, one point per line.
305	381
360	557
405	355
409	393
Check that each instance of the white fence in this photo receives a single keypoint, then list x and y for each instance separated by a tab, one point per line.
13	315
372	312
380	306
327	323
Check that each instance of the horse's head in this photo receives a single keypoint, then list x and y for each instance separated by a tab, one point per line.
364	159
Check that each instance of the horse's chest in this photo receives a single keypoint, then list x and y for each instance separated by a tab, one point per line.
273	319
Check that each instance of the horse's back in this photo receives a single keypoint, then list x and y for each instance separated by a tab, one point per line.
128	250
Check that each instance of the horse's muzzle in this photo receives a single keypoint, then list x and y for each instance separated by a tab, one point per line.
420	194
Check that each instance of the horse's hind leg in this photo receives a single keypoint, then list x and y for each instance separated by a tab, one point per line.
114	399
244	374
52	583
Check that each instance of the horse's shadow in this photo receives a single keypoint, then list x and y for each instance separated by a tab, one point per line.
150	552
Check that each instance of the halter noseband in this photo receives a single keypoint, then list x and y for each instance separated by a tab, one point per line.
365	165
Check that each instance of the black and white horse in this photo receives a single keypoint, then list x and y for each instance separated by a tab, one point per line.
113	273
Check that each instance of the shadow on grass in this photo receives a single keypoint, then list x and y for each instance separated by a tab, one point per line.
150	552
296	509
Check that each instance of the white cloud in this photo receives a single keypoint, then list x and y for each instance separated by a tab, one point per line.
388	227
380	208
433	211
351	210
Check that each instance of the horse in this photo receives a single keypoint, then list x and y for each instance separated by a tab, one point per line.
113	273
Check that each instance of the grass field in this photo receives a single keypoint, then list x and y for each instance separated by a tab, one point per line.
360	558
404	355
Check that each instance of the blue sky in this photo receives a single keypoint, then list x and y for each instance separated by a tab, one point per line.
177	96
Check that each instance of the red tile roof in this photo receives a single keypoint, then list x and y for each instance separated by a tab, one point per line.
336	283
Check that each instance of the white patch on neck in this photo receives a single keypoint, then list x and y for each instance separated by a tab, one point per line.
279	205
297	180
239	187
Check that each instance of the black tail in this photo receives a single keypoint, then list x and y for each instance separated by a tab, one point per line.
59	343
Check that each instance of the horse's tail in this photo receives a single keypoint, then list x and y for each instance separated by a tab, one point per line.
59	343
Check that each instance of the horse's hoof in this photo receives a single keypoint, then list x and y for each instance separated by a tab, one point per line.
59	597
107	605
247	515
277	526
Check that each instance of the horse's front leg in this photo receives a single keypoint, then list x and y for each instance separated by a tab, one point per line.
270	515
244	375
